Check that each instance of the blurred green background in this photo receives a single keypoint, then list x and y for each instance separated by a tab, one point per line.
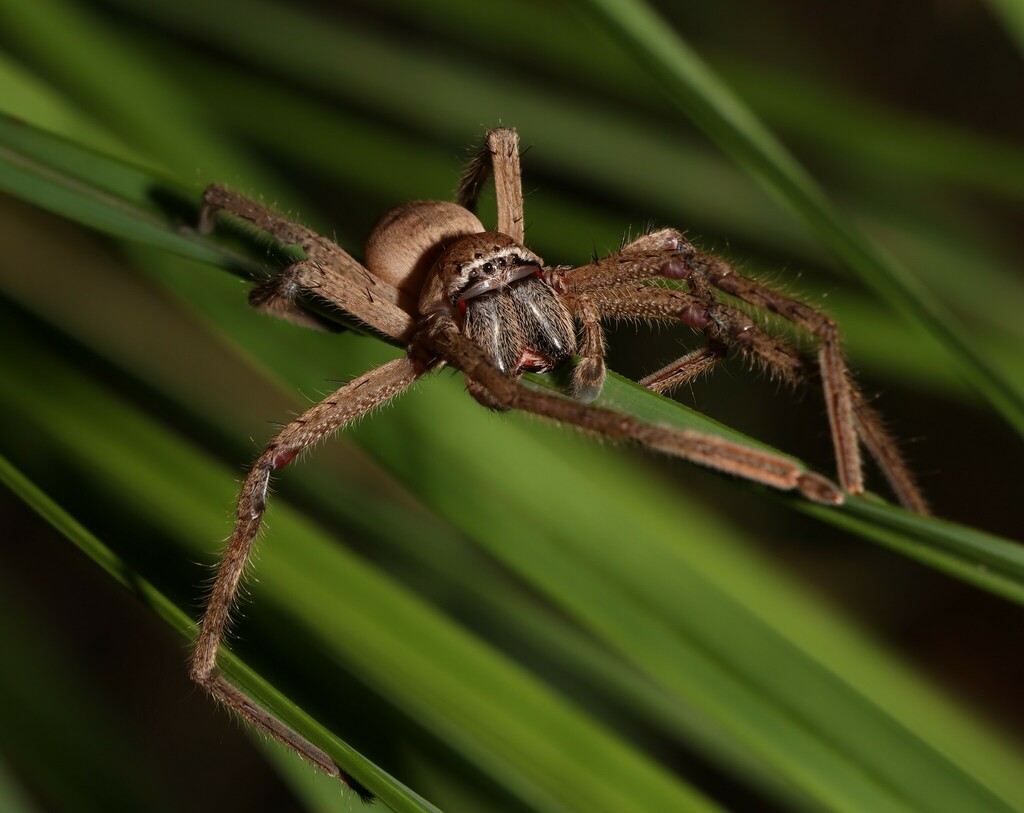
497	613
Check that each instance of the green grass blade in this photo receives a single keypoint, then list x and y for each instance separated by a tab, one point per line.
68	196
389	790
511	524
12	797
114	80
848	713
24	95
521	731
984	560
713	690
831	119
102	193
1011	12
717	111
972	556
573	137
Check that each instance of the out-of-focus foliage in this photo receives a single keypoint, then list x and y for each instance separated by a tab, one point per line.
496	613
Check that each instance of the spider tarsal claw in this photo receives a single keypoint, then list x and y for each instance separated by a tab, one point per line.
820	490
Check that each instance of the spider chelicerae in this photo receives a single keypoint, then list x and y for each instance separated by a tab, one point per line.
480	301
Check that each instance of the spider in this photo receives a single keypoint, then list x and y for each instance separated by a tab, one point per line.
480	301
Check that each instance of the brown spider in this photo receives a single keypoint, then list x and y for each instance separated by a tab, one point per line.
481	301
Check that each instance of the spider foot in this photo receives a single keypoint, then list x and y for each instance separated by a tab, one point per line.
819	489
588	379
484	397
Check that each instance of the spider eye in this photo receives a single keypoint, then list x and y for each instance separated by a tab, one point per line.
488	268
515	259
474	275
501	262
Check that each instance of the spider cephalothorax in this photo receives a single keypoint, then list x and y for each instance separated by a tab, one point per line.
493	288
496	288
491	285
455	293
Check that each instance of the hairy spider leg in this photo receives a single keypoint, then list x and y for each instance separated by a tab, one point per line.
589	374
329	273
333	413
500	155
769	469
666	253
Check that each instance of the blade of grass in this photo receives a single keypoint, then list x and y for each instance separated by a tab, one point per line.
12	797
724	118
831	118
821	768
388	790
1011	12
521	732
513	533
112	81
974	556
679	181
350	496
102	193
24	95
80	201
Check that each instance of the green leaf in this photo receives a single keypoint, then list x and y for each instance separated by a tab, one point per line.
517	728
387	788
68	195
670	177
755	676
725	119
1011	12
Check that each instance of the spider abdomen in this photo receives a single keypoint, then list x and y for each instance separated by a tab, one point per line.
406	242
